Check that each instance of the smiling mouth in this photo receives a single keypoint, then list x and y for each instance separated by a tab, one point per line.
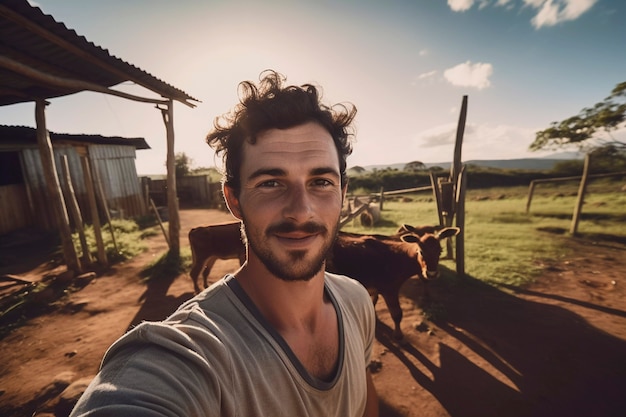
296	239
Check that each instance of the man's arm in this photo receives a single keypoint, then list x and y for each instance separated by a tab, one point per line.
371	404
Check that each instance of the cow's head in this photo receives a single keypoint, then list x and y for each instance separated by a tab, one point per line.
429	249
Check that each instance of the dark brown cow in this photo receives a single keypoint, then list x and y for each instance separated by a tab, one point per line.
213	242
383	263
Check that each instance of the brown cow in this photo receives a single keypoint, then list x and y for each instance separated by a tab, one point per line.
383	263
213	242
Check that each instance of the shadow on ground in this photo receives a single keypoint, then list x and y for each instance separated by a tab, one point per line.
556	363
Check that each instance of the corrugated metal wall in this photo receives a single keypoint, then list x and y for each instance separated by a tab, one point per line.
117	172
115	166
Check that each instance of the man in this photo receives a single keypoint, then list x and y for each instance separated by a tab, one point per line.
279	337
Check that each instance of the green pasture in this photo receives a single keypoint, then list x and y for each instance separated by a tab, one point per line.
504	244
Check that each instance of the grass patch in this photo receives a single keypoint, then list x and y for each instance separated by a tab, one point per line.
128	240
503	243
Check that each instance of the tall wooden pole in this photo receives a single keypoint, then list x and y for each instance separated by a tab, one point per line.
460	222
172	198
54	189
93	207
455	169
77	216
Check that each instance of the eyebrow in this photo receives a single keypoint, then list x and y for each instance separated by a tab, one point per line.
278	172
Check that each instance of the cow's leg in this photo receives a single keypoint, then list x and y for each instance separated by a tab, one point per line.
196	268
208	264
393	304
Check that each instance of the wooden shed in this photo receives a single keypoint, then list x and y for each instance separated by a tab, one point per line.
40	59
23	193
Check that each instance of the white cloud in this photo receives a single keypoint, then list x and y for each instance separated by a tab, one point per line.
552	12
470	75
549	12
460	5
429	74
423	52
425	76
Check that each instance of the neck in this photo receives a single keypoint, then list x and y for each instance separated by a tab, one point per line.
286	305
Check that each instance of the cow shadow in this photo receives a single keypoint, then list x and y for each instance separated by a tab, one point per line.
156	304
555	362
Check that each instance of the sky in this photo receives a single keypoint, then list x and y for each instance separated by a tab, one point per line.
405	65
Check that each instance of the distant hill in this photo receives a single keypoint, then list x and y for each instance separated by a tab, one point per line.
545	163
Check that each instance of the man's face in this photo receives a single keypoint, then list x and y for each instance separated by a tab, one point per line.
290	199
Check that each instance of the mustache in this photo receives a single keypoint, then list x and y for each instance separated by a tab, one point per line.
289	227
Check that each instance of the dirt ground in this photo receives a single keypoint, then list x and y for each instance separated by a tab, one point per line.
555	348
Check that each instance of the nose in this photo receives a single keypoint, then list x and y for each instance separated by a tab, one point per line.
298	206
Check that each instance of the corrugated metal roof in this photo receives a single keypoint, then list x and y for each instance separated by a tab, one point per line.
20	135
35	39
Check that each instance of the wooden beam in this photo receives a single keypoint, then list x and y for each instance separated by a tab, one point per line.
458	145
77	216
580	200
172	196
77	85
93	207
54	190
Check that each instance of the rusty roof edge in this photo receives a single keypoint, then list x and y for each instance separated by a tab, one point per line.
133	73
30	133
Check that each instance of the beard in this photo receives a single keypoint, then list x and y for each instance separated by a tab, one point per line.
299	265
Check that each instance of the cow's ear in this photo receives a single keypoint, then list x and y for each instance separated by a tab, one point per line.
447	232
232	202
410	238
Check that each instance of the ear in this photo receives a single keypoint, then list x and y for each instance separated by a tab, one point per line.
447	232
232	202
410	238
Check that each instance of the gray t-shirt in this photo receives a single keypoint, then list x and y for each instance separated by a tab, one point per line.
217	356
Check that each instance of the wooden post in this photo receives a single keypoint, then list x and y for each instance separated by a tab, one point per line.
460	223
458	144
456	182
75	209
434	182
54	190
581	196
158	216
172	198
93	207
447	210
382	197
105	207
531	191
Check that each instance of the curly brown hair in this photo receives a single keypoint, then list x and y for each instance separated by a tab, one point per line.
271	105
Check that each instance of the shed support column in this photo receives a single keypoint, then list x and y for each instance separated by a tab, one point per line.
172	199
54	189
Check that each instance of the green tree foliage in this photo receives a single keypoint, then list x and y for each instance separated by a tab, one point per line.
478	177
358	169
182	164
591	128
415	166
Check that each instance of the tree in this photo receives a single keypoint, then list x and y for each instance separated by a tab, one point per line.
591	128
358	170
415	166
182	164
